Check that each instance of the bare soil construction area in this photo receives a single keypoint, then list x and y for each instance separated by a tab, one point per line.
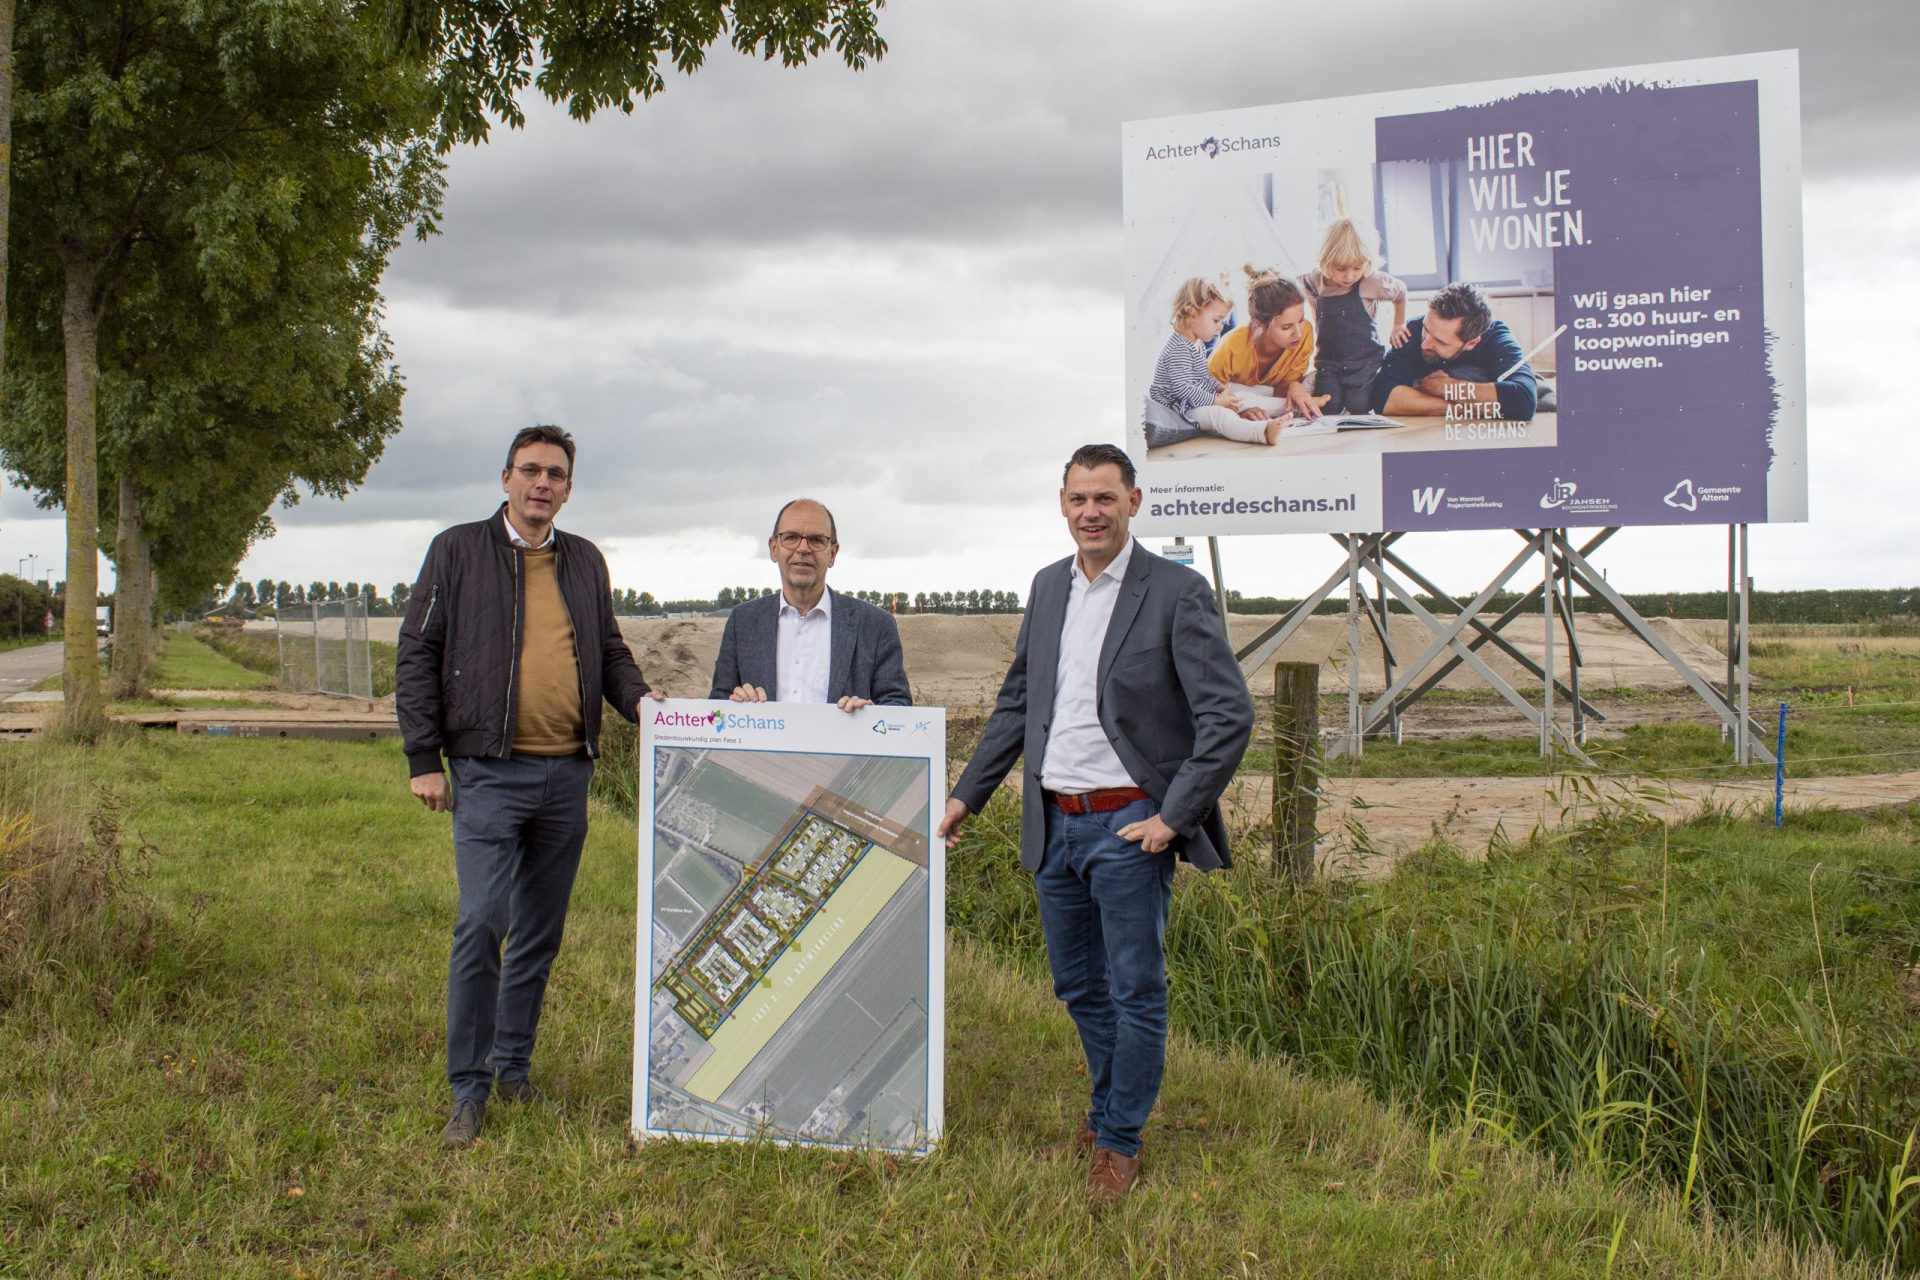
958	663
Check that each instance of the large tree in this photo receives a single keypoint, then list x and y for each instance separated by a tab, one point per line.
209	190
594	54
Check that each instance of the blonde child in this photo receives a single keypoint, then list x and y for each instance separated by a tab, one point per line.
1181	381
1347	292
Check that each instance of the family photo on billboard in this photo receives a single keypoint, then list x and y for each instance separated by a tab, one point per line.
1462	307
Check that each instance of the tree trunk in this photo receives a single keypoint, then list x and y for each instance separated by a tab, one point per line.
80	678
6	162
132	601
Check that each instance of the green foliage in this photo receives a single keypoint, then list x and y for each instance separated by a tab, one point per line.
598	54
24	607
232	177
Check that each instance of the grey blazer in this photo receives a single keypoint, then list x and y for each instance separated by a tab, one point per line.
1170	695
865	663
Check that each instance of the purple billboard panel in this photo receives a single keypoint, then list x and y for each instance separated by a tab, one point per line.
1570	301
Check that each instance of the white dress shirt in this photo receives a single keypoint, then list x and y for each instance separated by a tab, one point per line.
803	652
513	535
1079	756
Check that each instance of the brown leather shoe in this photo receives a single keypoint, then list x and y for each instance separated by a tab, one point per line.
1080	1145
1112	1175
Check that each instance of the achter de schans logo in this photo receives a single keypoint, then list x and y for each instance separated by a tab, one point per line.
1213	146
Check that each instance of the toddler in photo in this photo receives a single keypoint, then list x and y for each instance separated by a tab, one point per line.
1347	292
1181	381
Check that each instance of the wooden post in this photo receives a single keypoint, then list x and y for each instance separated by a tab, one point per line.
1296	767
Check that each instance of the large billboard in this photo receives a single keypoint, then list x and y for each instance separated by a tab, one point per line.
790	975
1561	300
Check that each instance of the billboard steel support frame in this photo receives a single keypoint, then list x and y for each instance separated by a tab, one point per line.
1563	569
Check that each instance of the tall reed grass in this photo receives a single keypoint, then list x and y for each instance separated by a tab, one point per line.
1567	1010
65	874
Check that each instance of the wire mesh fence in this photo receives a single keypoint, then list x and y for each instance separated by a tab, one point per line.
324	649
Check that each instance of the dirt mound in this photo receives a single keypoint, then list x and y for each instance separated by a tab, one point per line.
959	661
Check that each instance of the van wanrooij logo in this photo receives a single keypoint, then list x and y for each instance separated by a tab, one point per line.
1683	497
1426	502
1561	493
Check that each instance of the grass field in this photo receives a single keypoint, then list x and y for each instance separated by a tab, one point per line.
232	1067
1853	696
188	662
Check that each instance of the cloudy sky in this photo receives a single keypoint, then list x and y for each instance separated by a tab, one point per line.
898	291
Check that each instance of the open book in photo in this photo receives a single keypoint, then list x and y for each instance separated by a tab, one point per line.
1330	423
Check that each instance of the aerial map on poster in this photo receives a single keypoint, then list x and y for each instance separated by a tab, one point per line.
790	943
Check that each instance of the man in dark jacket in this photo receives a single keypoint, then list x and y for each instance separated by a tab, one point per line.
508	646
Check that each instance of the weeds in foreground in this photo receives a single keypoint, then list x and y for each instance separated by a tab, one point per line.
66	875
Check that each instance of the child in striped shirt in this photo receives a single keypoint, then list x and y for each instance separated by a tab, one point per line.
1181	381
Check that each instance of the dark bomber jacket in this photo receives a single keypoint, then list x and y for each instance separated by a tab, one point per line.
458	665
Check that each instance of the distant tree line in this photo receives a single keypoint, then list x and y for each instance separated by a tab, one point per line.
267	596
1851	604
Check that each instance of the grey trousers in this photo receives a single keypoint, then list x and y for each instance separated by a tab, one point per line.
518	828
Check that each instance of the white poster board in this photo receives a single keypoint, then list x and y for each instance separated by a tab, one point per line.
791	979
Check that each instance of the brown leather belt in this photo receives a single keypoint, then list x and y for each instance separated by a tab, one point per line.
1096	801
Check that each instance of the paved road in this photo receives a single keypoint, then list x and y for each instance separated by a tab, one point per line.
21	669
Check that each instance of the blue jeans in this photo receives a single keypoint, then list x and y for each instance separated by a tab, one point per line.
518	827
1103	906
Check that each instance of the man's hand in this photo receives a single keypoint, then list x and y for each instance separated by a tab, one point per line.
1151	834
949	827
431	790
851	703
747	693
651	695
1436	383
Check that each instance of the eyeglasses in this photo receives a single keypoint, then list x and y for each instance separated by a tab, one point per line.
531	471
790	541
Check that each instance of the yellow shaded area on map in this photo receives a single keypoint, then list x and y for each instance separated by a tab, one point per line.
820	946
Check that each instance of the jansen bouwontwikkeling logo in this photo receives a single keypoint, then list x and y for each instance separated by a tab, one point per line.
1562	496
1212	146
717	721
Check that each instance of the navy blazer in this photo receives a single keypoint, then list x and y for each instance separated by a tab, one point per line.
1170	696
865	663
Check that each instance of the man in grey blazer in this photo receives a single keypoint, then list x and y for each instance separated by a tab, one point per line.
806	643
1131	713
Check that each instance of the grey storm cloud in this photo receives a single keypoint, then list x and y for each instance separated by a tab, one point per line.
994	116
723	451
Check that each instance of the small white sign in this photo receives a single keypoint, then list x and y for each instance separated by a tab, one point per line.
1178	552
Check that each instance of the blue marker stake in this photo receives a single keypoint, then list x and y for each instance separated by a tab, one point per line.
1780	770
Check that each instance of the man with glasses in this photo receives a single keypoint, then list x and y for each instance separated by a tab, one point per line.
507	648
806	643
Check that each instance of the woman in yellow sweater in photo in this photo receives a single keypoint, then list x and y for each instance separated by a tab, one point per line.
1272	353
